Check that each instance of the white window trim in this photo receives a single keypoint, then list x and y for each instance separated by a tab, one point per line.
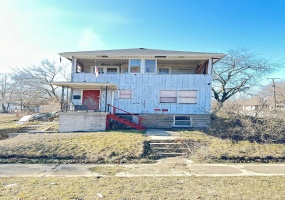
155	70
119	95
129	67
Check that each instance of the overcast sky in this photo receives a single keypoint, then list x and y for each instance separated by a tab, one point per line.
31	30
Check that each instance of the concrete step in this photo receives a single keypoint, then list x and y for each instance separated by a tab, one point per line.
165	141
167	148
166	155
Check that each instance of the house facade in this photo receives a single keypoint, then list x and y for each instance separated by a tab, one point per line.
152	88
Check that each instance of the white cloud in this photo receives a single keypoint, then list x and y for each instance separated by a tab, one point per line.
90	40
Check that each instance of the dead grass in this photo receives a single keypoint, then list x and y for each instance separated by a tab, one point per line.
143	188
7	125
214	149
99	147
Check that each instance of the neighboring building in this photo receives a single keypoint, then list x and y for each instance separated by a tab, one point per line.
166	88
10	107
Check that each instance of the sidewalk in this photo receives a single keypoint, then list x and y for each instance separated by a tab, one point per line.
164	167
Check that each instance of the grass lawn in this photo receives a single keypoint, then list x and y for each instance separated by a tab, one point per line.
143	188
212	149
98	147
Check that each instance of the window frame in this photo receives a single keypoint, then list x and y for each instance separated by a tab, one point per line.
178	100
120	95
110	67
181	125
130	66
160	96
155	67
179	97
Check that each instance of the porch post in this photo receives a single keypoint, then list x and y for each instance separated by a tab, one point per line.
210	65
62	99
106	99
74	66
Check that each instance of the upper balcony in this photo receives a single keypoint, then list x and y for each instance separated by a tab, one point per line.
138	67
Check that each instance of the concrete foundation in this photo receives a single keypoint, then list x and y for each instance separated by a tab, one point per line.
82	121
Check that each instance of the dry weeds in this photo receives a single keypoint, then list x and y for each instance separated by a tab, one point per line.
213	149
143	188
80	147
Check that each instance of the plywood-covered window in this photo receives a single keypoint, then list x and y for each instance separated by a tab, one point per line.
125	94
187	96
168	96
135	66
150	66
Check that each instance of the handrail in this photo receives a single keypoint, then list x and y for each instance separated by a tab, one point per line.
124	111
114	112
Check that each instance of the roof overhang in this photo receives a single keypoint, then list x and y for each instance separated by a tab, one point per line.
85	85
141	53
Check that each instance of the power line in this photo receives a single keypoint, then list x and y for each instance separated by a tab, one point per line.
274	92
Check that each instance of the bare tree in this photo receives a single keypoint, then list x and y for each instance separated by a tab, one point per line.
40	78
239	71
6	91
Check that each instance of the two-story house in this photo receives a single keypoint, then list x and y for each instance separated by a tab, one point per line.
140	88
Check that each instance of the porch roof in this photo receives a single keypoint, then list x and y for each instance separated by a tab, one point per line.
85	85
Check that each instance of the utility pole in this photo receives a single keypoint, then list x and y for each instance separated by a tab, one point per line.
274	92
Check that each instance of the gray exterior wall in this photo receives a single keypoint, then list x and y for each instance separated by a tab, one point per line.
145	91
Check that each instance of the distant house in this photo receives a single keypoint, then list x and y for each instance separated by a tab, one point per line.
10	107
141	88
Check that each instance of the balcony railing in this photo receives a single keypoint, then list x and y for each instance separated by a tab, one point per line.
128	78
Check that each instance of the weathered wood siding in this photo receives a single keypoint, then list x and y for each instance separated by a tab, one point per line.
145	91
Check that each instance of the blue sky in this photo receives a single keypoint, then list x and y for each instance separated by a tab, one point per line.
32	30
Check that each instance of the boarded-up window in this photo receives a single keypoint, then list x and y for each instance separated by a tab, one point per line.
168	96
187	96
125	94
135	66
150	66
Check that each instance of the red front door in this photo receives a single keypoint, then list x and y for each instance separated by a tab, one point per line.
91	99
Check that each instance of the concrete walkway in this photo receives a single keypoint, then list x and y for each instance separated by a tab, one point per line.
164	167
